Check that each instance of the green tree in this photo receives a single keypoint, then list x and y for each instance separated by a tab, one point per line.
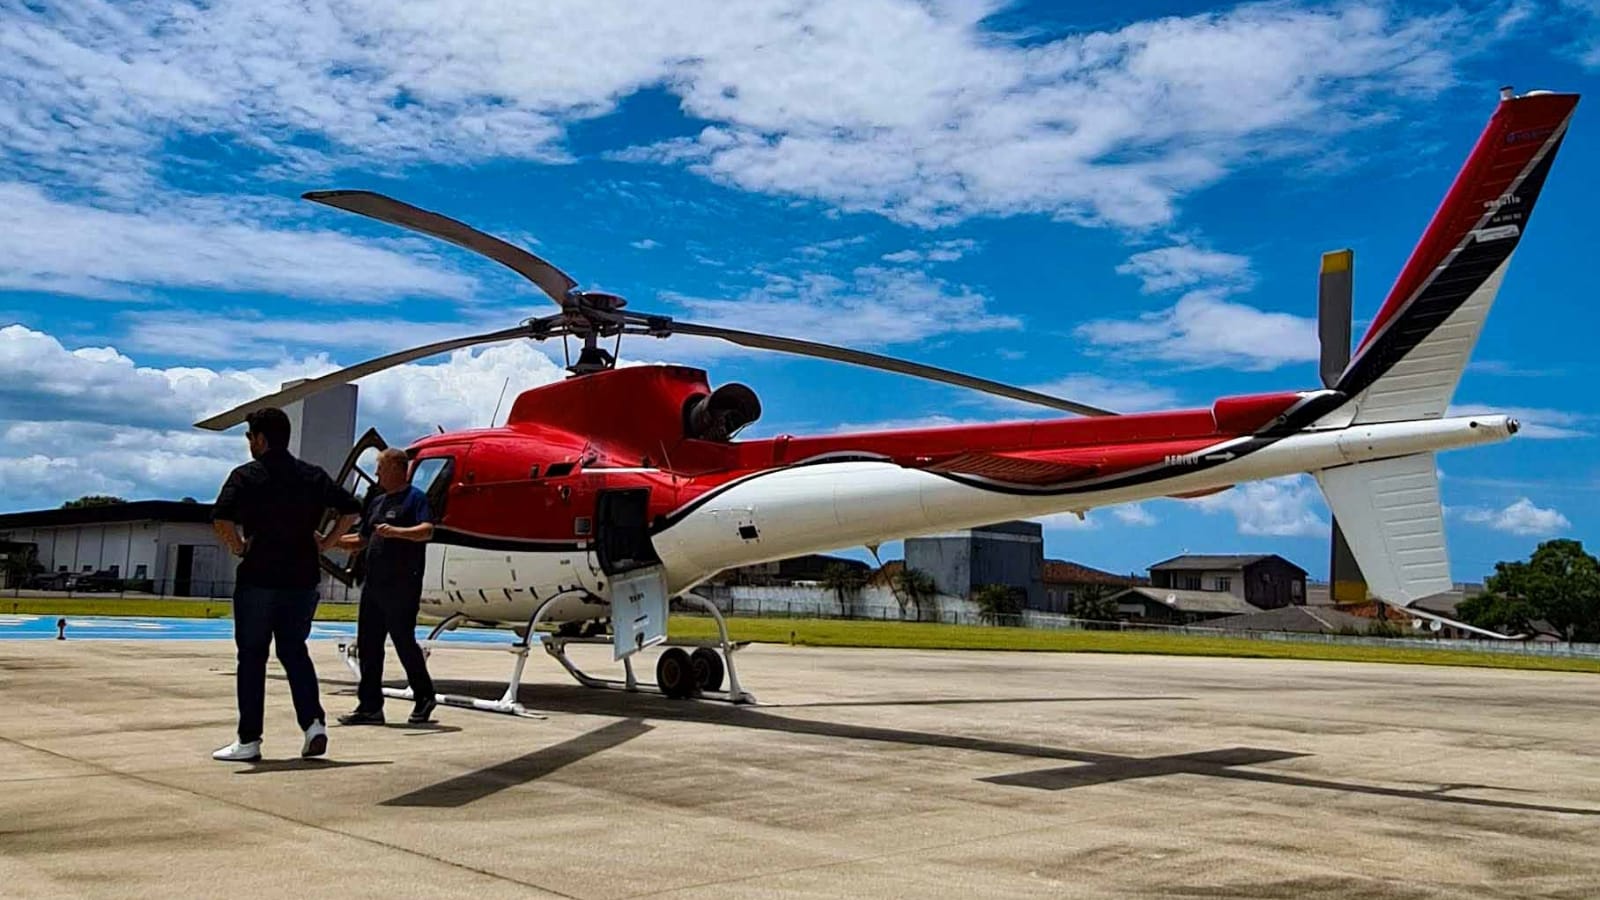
1092	602
1560	583
846	583
917	588
1507	615
18	563
998	603
92	500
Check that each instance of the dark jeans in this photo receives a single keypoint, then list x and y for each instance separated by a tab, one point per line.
391	612
260	616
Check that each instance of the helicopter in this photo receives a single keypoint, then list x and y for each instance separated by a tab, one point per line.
606	496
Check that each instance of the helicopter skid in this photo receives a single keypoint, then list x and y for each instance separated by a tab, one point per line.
506	705
556	647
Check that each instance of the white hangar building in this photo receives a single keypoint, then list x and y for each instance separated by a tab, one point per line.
167	543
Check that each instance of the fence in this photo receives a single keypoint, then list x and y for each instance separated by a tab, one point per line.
943	612
1052	621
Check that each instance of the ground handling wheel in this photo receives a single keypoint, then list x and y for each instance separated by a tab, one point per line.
675	674
708	669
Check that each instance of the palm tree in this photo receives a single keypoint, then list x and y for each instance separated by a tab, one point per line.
916	586
845	582
1093	602
998	604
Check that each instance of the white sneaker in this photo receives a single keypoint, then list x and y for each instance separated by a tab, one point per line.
238	751
316	740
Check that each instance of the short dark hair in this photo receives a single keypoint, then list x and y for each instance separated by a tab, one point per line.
271	423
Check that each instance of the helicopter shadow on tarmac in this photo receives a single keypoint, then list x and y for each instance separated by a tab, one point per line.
634	712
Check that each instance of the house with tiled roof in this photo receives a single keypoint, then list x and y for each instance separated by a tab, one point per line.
1063	580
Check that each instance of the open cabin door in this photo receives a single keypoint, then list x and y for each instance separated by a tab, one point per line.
342	566
624	552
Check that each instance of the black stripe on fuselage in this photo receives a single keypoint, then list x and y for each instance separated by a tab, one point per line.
454	538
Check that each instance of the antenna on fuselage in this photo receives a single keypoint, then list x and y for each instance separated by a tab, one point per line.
496	414
668	460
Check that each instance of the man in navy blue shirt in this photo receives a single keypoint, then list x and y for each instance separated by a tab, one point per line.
268	513
394	533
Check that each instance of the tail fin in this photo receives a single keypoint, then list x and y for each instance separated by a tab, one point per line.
1408	364
1390	513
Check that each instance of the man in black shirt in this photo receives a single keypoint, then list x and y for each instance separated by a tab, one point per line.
394	532
277	502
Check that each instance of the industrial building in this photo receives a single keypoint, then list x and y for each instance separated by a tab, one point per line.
1009	553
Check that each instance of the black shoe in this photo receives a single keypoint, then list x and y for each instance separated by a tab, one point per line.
423	714
362	717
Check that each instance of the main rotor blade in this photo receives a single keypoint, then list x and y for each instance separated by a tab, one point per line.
889	363
550	279
224	421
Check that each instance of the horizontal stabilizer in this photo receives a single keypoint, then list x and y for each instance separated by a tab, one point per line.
1391	516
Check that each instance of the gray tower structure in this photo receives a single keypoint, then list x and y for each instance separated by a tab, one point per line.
1007	553
324	426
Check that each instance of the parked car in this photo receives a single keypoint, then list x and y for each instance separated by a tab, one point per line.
48	581
97	582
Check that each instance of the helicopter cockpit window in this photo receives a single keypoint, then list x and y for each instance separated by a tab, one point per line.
432	477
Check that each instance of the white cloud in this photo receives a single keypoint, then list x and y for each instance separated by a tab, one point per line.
878	306
1586	31
1203	329
1185	265
938	251
1131	514
646	244
910	423
1521	518
1115	394
1134	514
915	113
246	334
1538	424
826	248
1280	507
76	248
90	419
44	464
911	110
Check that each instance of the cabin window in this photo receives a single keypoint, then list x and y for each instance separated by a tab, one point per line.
432	477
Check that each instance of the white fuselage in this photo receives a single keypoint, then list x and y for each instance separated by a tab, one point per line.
828	505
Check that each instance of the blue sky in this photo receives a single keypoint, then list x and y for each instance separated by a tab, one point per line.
1121	203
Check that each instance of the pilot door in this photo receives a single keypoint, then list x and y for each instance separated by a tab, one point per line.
622	531
623	551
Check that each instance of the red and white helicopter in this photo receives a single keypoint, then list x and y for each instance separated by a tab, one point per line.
608	494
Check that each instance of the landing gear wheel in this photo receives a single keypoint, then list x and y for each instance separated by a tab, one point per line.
708	669
674	674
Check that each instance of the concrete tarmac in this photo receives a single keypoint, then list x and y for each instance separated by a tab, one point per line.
864	773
